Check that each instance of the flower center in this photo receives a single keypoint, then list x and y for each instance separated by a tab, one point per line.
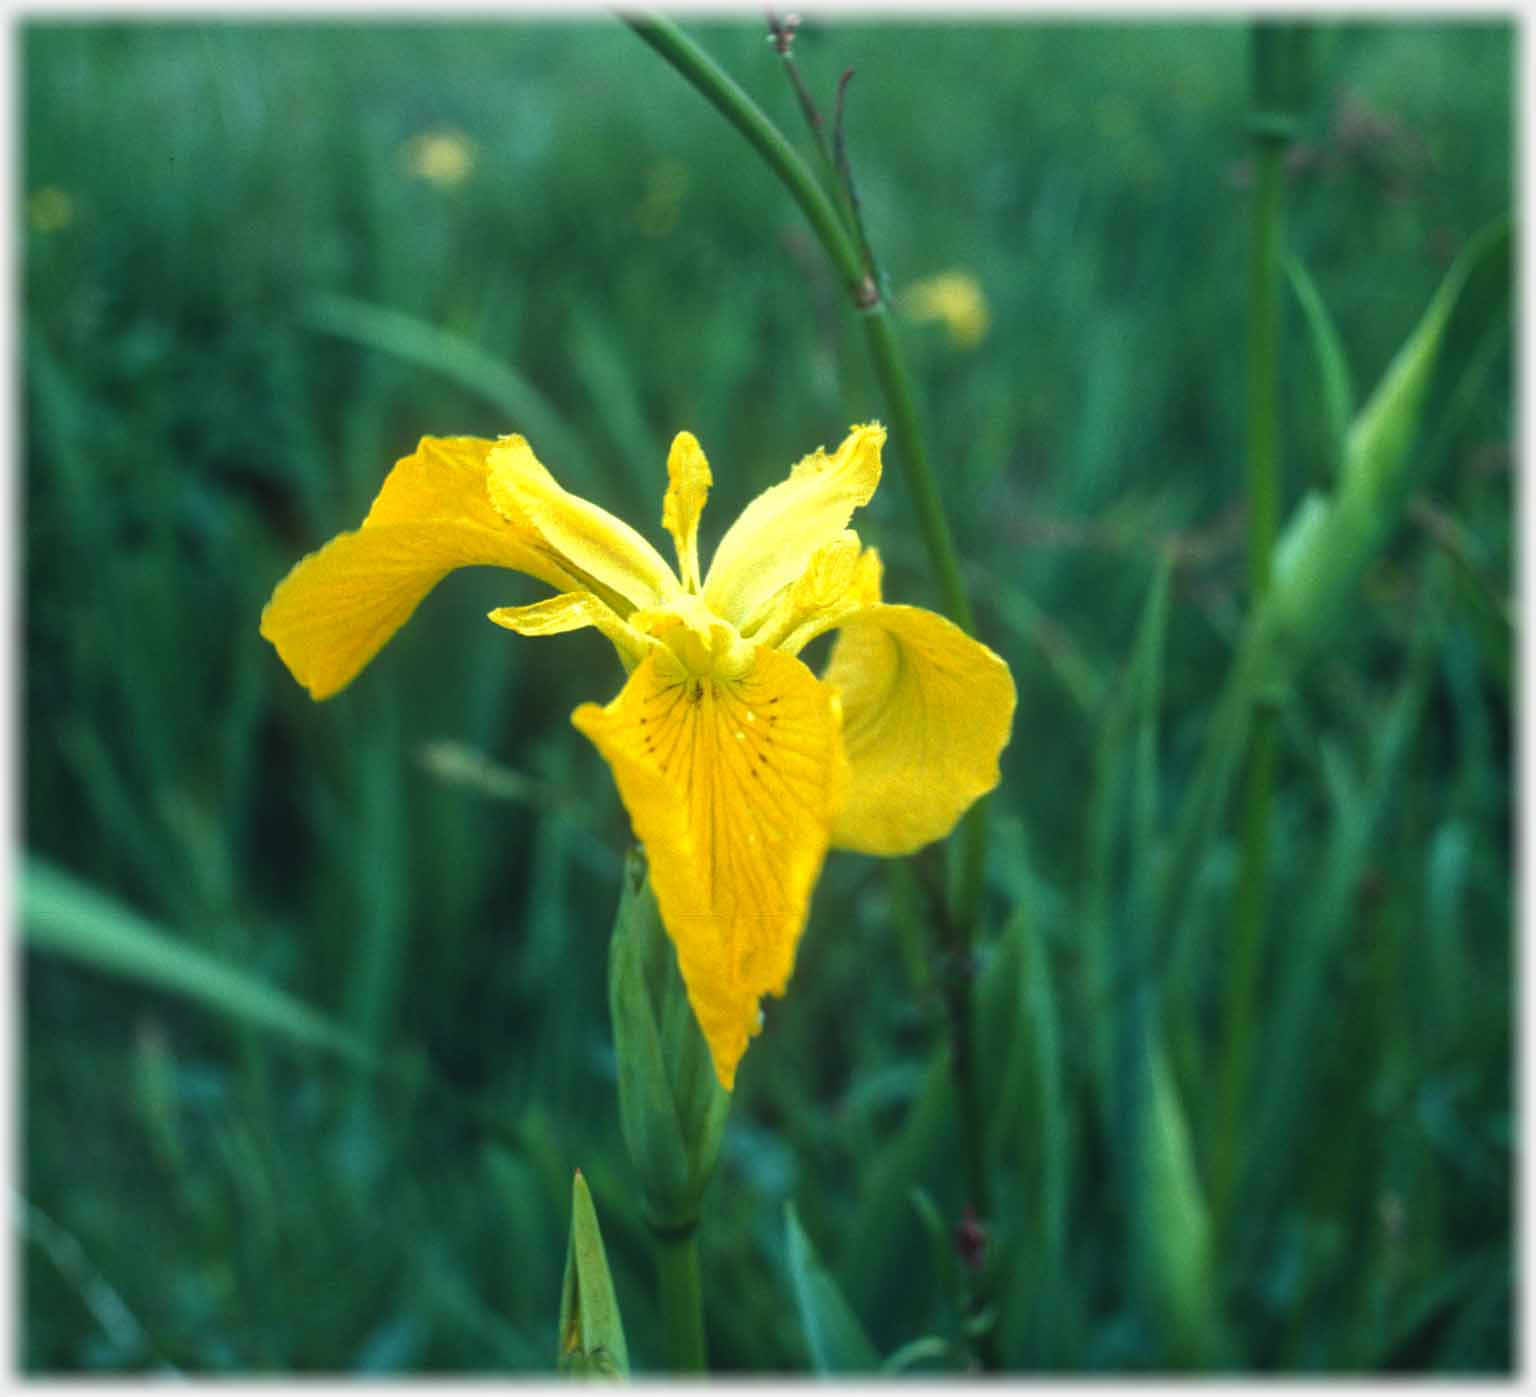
705	645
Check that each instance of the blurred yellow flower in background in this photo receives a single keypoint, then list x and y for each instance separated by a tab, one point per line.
954	298
443	156
738	766
50	209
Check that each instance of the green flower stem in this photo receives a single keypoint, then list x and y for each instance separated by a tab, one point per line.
961	915
1244	956
812	117
747	117
959	999
966	887
1267	233
1328	544
891	370
671	1105
1274	51
682	1300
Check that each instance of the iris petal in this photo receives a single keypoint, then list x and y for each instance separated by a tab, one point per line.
926	712
840	580
776	536
338	607
593	542
732	786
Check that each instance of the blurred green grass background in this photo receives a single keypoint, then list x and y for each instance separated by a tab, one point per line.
200	409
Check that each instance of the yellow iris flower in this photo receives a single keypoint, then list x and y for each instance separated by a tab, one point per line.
738	766
444	157
956	300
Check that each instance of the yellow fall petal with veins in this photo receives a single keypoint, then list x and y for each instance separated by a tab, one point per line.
738	767
731	785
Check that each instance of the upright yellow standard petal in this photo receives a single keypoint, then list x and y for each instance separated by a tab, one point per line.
840	580
594	543
688	482
338	607
732	786
926	711
775	536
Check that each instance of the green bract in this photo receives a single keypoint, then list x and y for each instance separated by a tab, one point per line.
671	1104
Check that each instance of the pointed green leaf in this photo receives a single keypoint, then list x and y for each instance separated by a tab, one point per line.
1145	697
647	1111
1379	441
1329	543
591	1332
1124	756
672	1107
836	1339
1176	1229
883	1192
1333	373
943	1260
66	917
1032	1133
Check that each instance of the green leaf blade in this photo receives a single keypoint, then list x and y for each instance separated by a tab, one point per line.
460	360
836	1339
66	917
1333	373
591	1331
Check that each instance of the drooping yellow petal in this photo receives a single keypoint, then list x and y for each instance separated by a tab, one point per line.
337	607
596	544
732	786
571	611
688	482
443	478
776	535
926	711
